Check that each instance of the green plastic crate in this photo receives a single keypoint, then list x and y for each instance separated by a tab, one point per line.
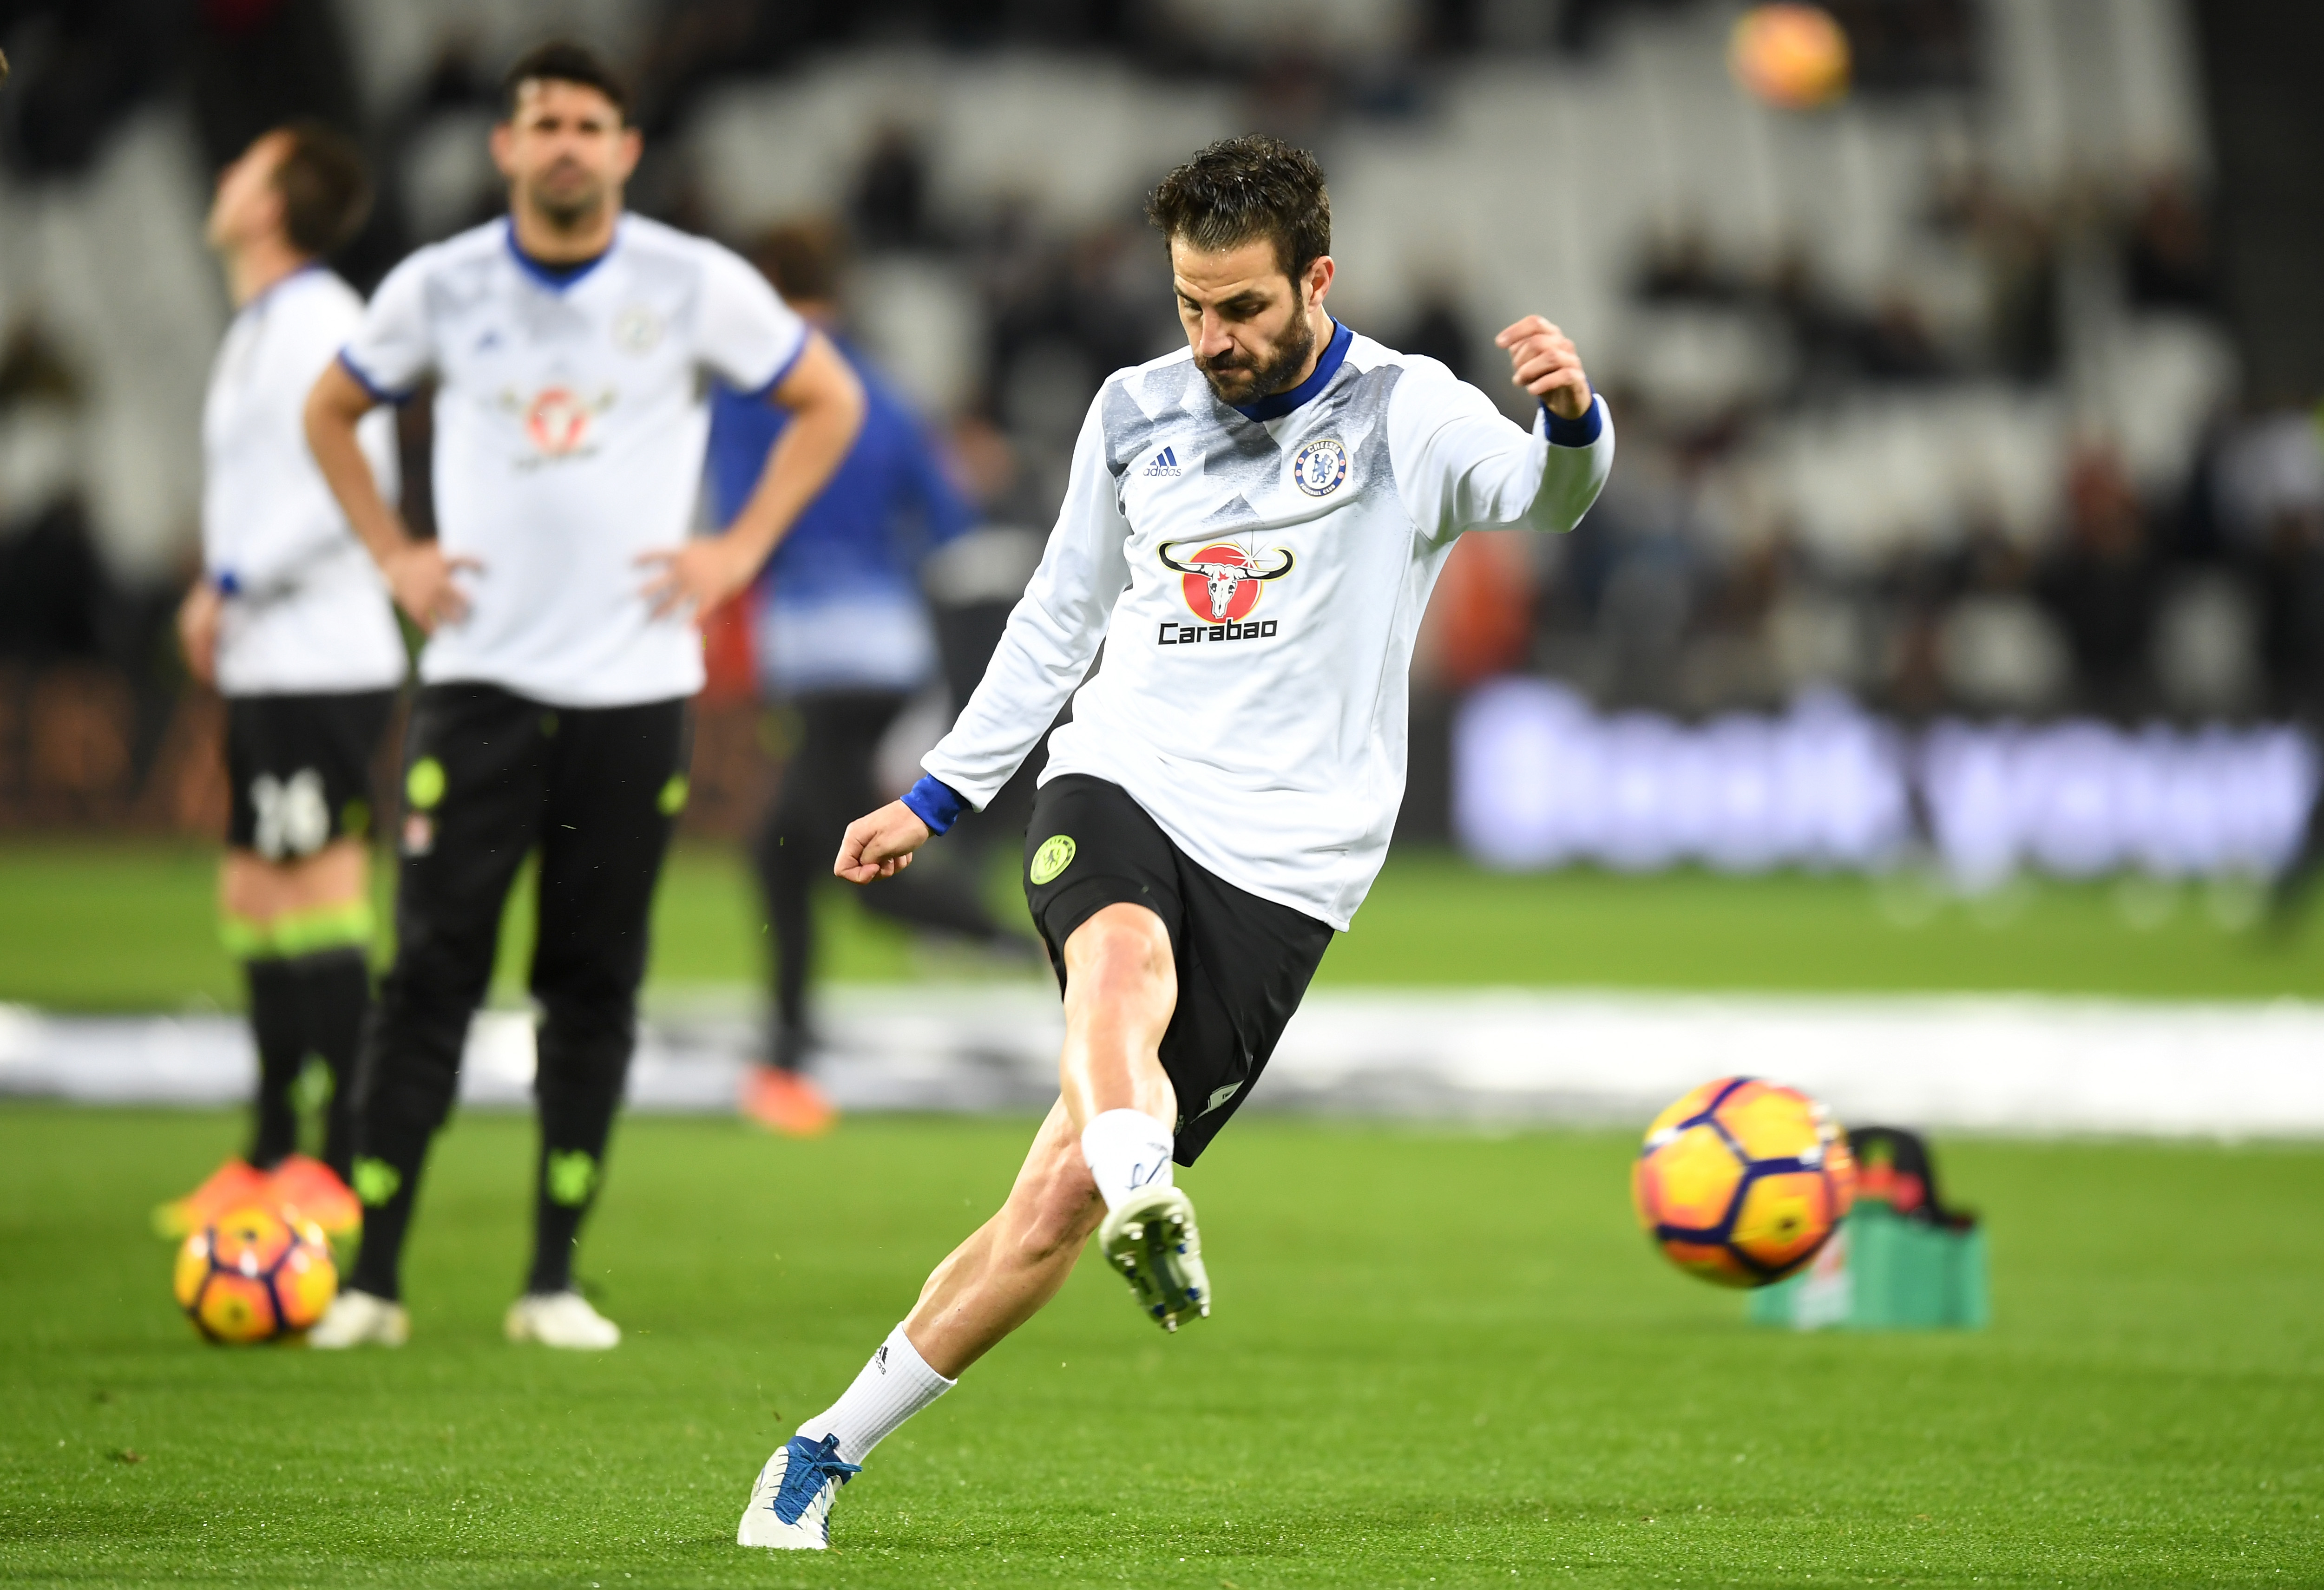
1882	1272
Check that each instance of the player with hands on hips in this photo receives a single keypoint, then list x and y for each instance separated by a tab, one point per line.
572	347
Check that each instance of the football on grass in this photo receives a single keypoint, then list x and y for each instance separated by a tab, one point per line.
254	1275
1741	1181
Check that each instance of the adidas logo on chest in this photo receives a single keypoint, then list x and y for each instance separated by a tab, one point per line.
1163	464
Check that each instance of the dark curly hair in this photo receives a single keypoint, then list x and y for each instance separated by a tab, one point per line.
1238	189
561	60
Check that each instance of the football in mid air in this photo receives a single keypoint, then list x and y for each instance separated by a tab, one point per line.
255	1275
1740	1182
1793	57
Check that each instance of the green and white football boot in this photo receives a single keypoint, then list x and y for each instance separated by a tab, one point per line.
1150	1239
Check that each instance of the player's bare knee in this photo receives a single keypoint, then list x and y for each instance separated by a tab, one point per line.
1054	1206
1060	1220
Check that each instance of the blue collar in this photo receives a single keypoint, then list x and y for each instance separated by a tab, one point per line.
559	277
1335	353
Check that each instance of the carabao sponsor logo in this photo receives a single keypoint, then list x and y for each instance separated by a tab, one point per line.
559	422
1222	582
1221	585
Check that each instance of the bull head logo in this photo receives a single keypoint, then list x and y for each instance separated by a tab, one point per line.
1223	569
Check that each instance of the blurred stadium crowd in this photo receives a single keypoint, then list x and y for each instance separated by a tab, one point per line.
1933	401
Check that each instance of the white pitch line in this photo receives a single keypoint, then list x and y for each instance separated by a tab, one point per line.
1993	1063
2005	1063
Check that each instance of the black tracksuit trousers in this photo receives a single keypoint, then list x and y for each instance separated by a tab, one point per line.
490	777
827	783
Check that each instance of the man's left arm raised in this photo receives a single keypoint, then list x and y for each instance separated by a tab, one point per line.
1461	465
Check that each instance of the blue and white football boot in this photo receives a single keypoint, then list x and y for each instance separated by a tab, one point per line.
1150	1239
790	1506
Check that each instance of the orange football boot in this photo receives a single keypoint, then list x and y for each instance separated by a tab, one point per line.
313	1189
232	1185
787	1102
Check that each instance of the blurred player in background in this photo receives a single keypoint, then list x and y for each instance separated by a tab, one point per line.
844	640
291	622
573	347
1250	529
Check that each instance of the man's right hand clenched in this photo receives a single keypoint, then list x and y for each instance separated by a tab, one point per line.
881	844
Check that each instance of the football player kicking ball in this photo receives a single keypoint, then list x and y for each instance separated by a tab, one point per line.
572	347
1251	529
289	620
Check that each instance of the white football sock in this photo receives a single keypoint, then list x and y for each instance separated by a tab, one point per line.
893	1386
1127	1150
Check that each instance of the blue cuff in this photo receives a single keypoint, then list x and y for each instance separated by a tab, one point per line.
766	391
1575	433
379	394
936	802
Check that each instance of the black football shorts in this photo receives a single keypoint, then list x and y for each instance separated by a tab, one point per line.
300	768
1243	963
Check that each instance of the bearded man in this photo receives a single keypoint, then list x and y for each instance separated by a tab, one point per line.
572	349
1251	529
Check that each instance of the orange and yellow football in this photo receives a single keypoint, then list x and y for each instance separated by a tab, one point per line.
1741	1181
1791	56
255	1275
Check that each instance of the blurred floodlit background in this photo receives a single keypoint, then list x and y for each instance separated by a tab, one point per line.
1970	500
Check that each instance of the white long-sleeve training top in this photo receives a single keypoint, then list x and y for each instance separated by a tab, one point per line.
572	410
1258	577
306	611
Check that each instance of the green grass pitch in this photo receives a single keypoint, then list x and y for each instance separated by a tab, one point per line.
131	925
1441	1358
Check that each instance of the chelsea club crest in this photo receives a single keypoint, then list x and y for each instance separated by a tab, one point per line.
1320	467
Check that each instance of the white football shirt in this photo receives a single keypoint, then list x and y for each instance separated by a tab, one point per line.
1258	584
571	415
306	611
